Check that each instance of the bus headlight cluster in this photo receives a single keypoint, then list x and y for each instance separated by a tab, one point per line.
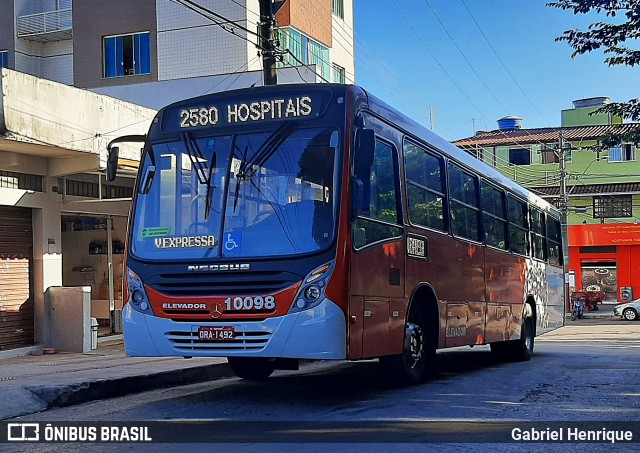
311	293
137	295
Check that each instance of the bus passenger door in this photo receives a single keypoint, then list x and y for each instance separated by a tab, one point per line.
376	306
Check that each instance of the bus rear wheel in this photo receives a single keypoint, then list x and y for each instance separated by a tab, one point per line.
519	350
252	368
409	367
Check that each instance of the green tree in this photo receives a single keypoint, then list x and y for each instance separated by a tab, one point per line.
613	36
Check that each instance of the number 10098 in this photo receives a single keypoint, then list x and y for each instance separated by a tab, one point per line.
250	303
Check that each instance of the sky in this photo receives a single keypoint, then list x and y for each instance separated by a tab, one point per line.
464	64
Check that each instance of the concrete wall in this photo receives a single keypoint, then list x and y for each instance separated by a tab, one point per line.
95	19
59	115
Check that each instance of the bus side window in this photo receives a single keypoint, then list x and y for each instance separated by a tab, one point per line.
518	227
464	204
494	216
554	242
538	237
425	187
375	222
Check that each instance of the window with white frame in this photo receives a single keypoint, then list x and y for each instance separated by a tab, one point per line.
624	153
338	74
338	8
4	58
302	50
127	55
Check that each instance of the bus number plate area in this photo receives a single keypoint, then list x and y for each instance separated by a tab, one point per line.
207	333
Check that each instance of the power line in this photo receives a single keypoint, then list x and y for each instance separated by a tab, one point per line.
502	62
464	56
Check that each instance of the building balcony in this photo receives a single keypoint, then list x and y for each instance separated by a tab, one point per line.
46	27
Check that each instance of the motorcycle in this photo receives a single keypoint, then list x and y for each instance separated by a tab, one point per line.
578	310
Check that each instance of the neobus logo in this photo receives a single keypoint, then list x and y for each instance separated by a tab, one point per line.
218	267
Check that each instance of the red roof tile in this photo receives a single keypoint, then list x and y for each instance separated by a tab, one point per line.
550	134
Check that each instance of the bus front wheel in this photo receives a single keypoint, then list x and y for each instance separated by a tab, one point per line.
252	368
409	367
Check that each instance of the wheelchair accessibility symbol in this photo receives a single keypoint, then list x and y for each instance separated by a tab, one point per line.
233	242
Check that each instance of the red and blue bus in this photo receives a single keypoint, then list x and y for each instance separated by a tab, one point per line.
280	223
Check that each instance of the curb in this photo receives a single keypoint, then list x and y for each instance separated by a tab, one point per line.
68	395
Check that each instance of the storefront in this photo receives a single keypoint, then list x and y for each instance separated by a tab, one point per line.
606	257
88	261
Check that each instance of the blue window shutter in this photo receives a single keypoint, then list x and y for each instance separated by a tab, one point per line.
119	56
110	57
145	53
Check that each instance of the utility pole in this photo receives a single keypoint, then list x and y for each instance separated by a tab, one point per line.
267	47
564	218
564	202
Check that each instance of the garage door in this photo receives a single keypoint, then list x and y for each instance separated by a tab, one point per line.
16	275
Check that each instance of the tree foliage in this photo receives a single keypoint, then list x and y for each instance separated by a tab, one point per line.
614	37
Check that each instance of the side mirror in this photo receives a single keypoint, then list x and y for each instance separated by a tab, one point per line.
356	197
112	163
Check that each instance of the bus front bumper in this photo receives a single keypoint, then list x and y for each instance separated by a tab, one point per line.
318	333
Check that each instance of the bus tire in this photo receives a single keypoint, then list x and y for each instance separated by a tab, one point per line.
252	368
520	350
409	367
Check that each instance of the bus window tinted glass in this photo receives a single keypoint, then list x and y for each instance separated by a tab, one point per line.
380	195
495	223
465	210
425	187
554	242
518	227
538	235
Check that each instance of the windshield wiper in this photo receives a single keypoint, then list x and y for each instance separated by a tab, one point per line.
197	160
262	154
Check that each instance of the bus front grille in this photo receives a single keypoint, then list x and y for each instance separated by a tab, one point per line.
230	284
243	341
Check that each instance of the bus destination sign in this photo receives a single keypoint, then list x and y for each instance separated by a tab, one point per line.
230	113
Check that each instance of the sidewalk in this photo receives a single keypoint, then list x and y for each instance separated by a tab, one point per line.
30	384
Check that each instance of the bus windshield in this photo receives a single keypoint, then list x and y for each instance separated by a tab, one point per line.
230	196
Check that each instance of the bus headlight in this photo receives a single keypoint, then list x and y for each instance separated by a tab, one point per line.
311	293
138	298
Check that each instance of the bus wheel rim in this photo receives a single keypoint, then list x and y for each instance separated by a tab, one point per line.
415	346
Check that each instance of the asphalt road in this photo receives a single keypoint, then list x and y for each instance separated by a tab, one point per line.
584	372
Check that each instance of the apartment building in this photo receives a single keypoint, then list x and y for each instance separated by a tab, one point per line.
153	52
603	189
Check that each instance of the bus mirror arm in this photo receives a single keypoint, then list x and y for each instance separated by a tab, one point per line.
113	153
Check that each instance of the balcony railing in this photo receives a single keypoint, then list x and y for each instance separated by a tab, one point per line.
48	26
